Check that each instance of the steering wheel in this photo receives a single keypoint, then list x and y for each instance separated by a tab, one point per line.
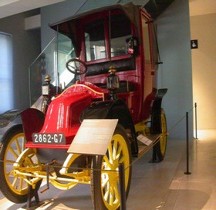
76	66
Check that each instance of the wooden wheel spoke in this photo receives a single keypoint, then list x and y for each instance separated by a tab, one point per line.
111	195
121	159
107	163
19	149
107	192
9	173
14	182
117	194
13	152
115	147
119	151
110	153
105	181
9	162
22	184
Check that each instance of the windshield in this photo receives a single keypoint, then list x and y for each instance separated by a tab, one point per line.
103	42
51	61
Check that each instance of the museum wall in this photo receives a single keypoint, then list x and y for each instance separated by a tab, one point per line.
176	71
174	38
26	46
204	69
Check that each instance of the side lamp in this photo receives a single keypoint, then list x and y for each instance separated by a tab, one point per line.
112	82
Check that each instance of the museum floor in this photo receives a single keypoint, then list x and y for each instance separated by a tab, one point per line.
162	186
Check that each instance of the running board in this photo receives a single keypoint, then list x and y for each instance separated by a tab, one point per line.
145	143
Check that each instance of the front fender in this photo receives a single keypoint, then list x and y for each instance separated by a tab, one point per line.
116	109
156	112
32	121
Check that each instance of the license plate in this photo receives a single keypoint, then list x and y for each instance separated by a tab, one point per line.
49	138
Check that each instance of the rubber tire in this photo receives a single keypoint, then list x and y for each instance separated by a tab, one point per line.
4	187
96	181
159	150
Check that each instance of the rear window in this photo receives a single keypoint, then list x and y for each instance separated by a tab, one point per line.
95	41
120	32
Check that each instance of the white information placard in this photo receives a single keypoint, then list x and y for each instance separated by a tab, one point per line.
93	136
144	139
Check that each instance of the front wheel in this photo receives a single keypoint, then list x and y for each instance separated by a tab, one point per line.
14	187
105	173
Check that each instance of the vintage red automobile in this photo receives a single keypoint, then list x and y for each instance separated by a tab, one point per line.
105	68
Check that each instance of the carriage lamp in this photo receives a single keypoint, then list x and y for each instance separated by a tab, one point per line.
112	82
46	86
132	45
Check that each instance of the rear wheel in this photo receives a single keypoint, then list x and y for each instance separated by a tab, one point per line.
159	149
12	186
105	173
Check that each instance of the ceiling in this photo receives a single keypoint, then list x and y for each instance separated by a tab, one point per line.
11	7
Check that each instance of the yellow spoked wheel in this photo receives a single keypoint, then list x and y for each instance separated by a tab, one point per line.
163	138
105	173
159	149
13	187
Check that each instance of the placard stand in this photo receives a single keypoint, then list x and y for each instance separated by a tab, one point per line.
122	186
35	195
